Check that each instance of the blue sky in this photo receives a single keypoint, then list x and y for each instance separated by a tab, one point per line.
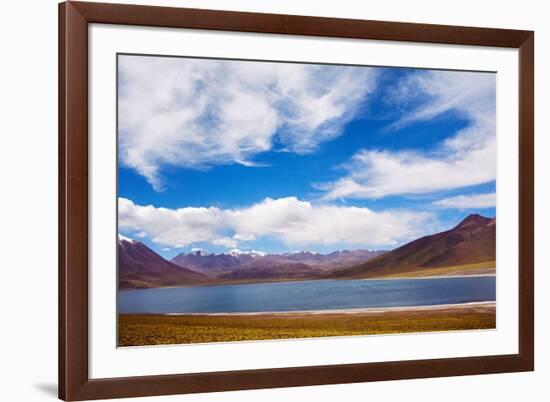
224	155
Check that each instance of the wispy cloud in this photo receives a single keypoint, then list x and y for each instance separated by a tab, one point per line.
465	159
429	94
294	222
200	113
376	174
464	201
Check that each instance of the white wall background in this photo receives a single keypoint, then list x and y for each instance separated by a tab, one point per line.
28	201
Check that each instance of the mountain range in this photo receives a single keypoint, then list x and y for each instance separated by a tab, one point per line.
468	248
235	263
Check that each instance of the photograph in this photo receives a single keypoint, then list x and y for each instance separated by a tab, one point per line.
273	200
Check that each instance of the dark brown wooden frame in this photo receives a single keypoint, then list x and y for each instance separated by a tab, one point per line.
74	383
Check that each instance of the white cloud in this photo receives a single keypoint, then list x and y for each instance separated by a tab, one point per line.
244	237
225	242
375	174
468	158
294	222
469	94
199	113
487	200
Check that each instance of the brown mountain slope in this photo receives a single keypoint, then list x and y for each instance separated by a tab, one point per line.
275	270
210	264
141	267
471	241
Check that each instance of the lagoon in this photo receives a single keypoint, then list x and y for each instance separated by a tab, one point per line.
309	295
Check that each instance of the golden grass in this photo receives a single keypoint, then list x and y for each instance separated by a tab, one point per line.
480	268
139	330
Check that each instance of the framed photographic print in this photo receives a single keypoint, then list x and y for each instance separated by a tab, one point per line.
258	200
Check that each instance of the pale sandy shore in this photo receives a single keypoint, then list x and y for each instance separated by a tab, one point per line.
474	306
419	278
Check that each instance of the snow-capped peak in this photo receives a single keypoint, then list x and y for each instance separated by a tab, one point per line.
199	251
127	239
252	253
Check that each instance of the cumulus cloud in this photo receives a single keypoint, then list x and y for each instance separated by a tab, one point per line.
464	201
294	222
198	113
465	159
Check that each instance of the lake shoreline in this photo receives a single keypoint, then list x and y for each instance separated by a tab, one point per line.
366	310
381	278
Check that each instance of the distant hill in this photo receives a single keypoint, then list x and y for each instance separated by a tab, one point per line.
471	242
266	270
211	264
141	267
334	260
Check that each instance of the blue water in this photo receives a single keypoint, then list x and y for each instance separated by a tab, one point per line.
308	295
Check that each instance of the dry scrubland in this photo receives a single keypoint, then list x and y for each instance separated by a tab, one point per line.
139	330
